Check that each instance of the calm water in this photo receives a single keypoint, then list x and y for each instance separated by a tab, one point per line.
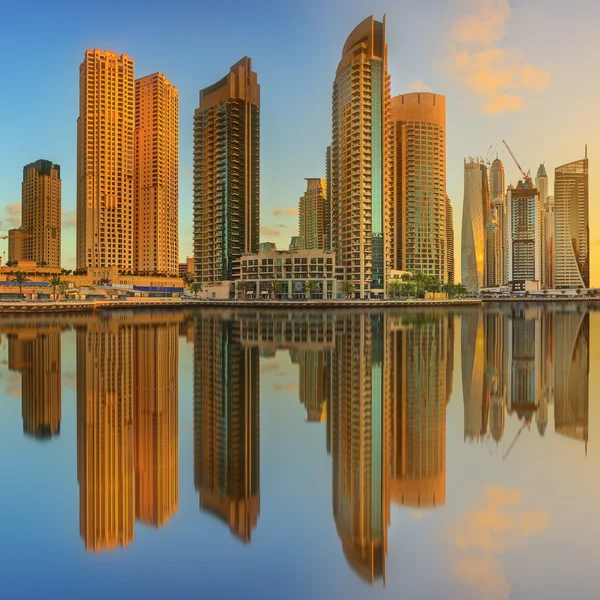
224	454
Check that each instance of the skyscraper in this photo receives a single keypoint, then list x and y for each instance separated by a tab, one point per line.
156	247
226	173
105	167
571	225
541	183
524	235
329	186
41	213
498	202
419	176
450	240
549	242
313	214
493	251
361	193
476	208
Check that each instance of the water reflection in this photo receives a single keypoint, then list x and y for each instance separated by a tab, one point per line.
379	383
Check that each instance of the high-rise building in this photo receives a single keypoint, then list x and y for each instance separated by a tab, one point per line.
105	433
419	176
226	173
314	382
41	213
361	193
548	242
476	208
541	184
498	202
105	165
156	237
450	240
313	215
571	226
493	251
496	368
15	244
226	425
156	364
523	235
328	185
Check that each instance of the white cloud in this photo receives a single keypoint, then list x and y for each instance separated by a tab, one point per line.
419	86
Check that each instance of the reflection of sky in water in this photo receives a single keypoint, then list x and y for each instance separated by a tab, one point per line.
503	526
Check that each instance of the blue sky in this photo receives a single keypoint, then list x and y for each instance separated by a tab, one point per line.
531	62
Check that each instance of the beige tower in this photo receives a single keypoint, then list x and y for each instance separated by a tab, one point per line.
41	193
156	238
419	122
361	160
105	130
450	240
313	214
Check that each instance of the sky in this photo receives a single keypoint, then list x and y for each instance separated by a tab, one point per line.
523	71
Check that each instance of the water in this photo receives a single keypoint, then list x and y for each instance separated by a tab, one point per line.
224	454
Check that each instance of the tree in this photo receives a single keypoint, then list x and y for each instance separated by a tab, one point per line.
394	288
420	281
20	278
196	288
347	288
407	289
54	282
271	289
311	287
578	290
243	287
461	290
449	289
188	279
64	286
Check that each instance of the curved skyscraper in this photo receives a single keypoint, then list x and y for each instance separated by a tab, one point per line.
361	160
571	226
476	207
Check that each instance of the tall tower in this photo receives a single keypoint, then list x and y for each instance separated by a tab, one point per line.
549	242
524	235
493	250
498	202
541	183
313	214
361	160
329	186
419	133
226	173
105	170
450	240
156	237
41	213
571	225
476	208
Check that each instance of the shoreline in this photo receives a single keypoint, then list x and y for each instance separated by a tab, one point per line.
13	308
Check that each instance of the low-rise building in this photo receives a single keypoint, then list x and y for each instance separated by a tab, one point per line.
284	274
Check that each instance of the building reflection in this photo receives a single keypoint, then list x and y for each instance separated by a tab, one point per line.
360	442
127	437
35	353
475	388
422	360
226	424
314	382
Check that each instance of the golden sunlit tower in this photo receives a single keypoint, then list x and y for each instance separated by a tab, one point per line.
571	225
41	213
105	433
156	197
312	214
420	203
226	425
549	242
476	208
156	364
496	367
420	394
328	185
360	442
105	169
450	240
361	163
36	354
541	184
226	173
475	389
572	365
498	202
493	251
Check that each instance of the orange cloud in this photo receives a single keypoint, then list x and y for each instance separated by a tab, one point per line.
291	212
269	232
277	212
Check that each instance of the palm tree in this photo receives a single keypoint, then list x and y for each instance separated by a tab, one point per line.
196	288
578	290
311	287
394	288
243	287
188	279
64	286
449	289
407	289
271	289
461	290
54	282
420	282
347	288
20	278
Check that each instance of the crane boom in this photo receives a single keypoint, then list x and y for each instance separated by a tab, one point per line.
527	176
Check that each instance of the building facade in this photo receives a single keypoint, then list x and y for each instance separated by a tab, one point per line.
498	203
493	252
328	184
226	173
156	196
15	244
105	161
361	193
541	184
419	176
571	222
549	243
450	240
476	208
524	235
41	213
313	224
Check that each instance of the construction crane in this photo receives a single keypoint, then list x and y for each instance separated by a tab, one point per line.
526	176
